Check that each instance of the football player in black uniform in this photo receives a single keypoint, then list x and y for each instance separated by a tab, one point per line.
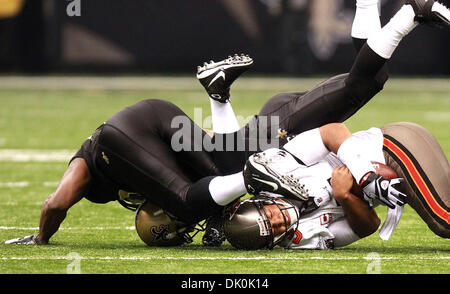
153	150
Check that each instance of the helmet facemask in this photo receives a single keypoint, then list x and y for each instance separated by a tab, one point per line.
261	222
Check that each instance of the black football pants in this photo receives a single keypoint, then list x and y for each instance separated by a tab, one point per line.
135	151
334	100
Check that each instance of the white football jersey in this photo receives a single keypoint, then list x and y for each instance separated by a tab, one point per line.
312	230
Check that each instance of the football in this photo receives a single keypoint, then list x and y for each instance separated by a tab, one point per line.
381	169
384	170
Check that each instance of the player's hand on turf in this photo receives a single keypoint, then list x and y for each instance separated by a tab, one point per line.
387	191
27	240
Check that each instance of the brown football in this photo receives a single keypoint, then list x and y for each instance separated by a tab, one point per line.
382	170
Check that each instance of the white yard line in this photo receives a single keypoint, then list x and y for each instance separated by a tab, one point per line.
289	258
61	82
441	116
14	184
50	184
34	155
24	184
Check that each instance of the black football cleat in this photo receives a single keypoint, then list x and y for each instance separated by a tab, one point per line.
268	172
217	77
430	12
214	234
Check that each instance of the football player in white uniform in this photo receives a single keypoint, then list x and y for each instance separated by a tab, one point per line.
333	216
328	167
375	46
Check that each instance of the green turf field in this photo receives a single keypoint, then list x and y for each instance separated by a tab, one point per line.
52	117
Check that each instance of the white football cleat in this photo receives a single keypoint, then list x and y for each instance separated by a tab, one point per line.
269	171
430	12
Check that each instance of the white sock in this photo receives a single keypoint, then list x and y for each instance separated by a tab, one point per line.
225	189
223	118
343	233
351	153
308	147
367	19
385	41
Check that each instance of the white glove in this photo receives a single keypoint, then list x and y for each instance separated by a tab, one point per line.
377	187
28	240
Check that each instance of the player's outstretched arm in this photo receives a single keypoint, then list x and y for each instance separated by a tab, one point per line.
362	219
70	191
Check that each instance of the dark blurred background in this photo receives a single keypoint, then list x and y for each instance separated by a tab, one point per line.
296	37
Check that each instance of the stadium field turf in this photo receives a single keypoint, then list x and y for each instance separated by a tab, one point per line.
44	120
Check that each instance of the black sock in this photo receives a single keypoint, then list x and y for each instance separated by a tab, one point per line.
367	76
358	43
199	202
232	154
367	63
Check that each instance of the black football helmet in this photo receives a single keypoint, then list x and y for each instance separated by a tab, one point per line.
262	222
